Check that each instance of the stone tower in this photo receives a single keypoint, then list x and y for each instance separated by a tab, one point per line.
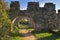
49	6
51	14
14	9
33	6
15	5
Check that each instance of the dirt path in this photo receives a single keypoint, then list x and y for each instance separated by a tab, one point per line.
27	35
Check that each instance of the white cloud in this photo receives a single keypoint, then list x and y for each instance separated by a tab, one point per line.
41	4
23	8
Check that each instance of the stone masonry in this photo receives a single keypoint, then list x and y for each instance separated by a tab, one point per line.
44	17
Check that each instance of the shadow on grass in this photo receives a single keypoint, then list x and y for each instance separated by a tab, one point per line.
38	32
52	37
16	34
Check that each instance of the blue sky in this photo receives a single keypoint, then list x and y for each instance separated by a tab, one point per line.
23	3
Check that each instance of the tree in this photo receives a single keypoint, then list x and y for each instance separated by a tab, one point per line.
5	23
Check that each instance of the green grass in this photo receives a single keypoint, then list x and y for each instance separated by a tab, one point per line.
15	35
15	38
42	35
46	36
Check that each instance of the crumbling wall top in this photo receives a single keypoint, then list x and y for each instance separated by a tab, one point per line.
59	11
33	3
33	6
15	5
49	6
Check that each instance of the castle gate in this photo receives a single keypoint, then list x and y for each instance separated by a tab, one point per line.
23	19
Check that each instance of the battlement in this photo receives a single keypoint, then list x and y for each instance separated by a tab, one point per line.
33	5
14	1
49	6
15	5
59	11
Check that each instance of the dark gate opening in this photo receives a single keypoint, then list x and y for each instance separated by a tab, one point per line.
24	23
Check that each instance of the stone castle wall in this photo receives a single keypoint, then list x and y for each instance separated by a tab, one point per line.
44	17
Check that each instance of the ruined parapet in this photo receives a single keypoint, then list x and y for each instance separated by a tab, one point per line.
49	6
58	11
15	5
33	6
14	9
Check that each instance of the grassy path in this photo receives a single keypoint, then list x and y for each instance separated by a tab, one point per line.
27	35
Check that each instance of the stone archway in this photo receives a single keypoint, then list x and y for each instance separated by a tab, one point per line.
17	19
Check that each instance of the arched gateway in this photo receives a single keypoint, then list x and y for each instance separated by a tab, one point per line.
17	20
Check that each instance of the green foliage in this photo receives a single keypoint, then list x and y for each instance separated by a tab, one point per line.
15	35
15	38
24	22
5	22
47	36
